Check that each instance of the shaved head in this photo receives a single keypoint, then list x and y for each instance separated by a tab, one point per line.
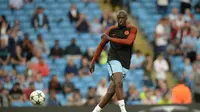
122	12
122	18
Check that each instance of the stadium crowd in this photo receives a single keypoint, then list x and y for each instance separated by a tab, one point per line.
175	35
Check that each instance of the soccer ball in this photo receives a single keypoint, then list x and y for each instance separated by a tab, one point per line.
37	97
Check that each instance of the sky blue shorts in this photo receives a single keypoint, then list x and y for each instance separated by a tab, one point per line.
115	66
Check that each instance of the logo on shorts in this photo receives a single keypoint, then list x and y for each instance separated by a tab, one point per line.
126	32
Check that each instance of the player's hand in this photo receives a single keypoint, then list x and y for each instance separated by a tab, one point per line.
92	68
105	37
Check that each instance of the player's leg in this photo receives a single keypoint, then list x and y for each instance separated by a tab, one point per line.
117	76
106	98
118	80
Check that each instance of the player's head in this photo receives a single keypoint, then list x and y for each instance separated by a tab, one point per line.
121	18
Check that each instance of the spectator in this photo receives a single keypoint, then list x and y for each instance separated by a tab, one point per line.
4	25
188	66
106	1
75	99
37	55
188	72
17	57
185	4
162	85
3	73
73	14
101	88
174	15
4	38
16	94
150	98
172	46
68	86
54	84
41	67
71	67
162	6
29	69
85	66
147	67
17	29
96	26
166	99
143	94
180	21
22	81
82	25
4	53
27	47
103	57
80	73
56	51
28	1
107	20
196	87
181	94
161	67
88	1
41	44
185	30
188	45
161	37
91	98
39	19
29	90
188	16
16	4
4	98
72	49
197	7
132	94
158	95
116	3
89	54
137	60
13	41
53	101
147	64
8	83
197	27
39	83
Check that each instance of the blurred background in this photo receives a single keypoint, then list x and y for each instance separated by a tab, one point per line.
48	45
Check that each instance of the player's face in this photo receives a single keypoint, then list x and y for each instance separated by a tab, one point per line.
121	19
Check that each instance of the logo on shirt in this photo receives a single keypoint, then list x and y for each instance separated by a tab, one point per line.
126	32
113	34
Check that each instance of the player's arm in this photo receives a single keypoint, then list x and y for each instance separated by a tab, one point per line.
99	50
101	45
129	40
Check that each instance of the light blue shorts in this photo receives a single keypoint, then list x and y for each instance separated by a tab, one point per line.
115	66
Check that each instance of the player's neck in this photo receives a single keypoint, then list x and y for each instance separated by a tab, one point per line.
121	26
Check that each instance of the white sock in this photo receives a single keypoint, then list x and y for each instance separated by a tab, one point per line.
122	105
97	109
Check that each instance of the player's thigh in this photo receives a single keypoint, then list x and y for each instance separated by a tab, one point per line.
114	66
111	88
